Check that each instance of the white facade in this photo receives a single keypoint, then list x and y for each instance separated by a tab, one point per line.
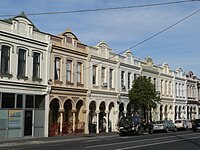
24	53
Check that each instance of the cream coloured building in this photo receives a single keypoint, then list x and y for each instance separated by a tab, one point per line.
24	55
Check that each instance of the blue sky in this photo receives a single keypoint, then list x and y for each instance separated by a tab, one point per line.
121	29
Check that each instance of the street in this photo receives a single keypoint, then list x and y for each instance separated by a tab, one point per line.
174	141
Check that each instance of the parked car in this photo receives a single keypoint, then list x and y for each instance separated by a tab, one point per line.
196	125
164	125
134	125
182	124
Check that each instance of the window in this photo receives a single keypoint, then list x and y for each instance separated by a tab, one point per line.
166	88
5	59
39	101
57	68
8	100
21	62
94	74
103	74
19	101
79	72
111	78
36	65
129	80
29	101
162	87
69	71
122	79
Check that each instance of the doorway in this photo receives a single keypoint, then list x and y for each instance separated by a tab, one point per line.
28	120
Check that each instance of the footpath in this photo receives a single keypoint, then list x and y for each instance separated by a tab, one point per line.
42	140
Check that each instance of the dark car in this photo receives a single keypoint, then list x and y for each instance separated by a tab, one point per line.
196	125
134	125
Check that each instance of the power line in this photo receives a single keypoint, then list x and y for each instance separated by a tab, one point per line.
103	9
149	38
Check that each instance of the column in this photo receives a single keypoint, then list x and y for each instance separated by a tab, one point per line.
107	120
125	113
61	119
74	119
97	127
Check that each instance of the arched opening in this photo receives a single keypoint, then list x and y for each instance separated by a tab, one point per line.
111	117
102	117
80	117
188	113
53	117
175	111
166	113
67	117
191	113
121	110
179	112
161	113
92	118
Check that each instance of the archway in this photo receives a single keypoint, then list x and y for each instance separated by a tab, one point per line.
166	112
54	117
92	118
188	113
111	117
175	113
121	110
102	117
161	113
80	117
179	112
67	117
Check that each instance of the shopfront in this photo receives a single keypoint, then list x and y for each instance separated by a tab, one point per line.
21	115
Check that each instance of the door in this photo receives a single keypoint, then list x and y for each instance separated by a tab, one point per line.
28	120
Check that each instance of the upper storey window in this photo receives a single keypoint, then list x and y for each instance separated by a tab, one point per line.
36	65
122	79
79	72
94	74
5	59
69	40
21	63
69	71
103	74
57	68
111	78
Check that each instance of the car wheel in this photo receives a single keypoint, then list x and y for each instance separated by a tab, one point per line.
121	134
150	131
195	130
175	129
186	128
139	132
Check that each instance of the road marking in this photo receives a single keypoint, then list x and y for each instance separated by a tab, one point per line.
88	141
135	141
158	143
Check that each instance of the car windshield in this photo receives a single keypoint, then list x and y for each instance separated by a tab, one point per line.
197	121
178	121
125	120
159	122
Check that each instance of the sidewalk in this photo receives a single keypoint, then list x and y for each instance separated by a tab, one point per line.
41	140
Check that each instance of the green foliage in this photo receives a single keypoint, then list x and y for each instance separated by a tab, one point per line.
143	94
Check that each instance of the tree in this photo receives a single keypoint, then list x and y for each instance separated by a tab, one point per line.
143	95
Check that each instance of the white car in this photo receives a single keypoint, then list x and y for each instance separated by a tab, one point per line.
182	124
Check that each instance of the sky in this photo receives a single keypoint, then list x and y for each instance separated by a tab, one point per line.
121	29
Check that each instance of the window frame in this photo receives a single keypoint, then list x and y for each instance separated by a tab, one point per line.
36	65
79	72
21	62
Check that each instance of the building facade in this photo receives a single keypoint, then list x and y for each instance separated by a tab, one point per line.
68	76
54	84
24	54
